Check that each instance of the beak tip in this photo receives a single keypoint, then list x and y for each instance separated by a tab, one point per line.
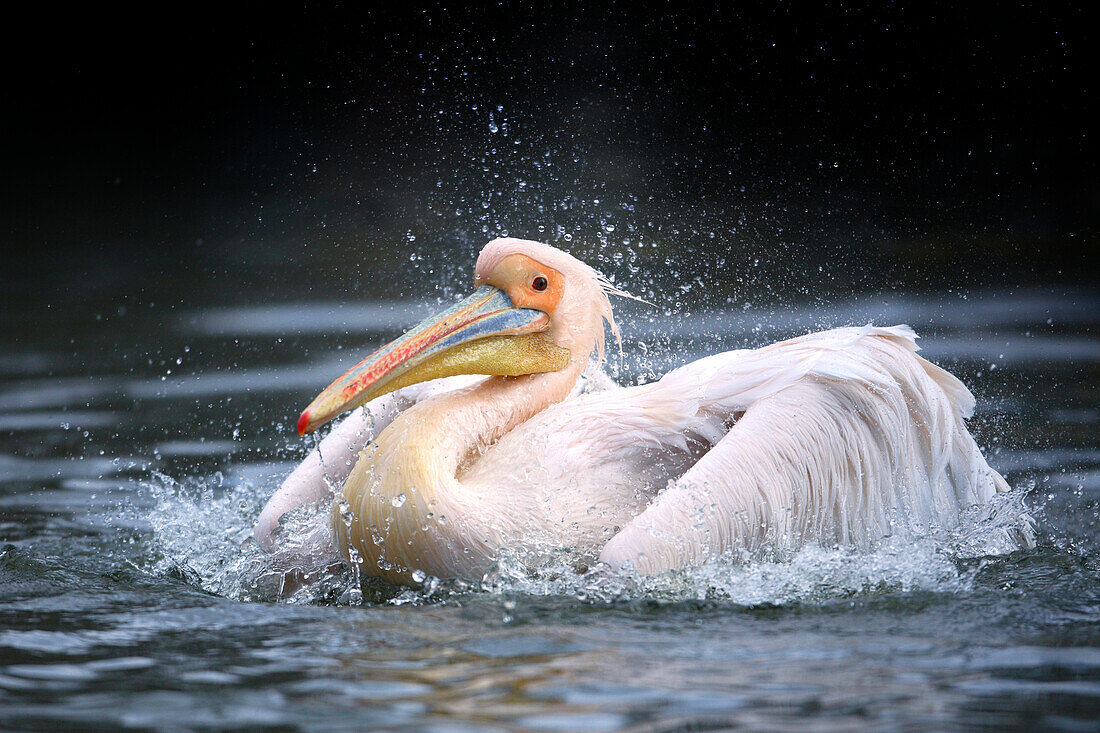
303	423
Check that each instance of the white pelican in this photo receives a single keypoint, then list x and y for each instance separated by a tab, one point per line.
832	437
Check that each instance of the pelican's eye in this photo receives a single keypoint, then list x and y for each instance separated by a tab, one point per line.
539	284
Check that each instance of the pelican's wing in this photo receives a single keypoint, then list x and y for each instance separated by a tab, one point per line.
837	435
332	460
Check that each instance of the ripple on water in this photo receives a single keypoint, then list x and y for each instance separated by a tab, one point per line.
196	448
15	468
304	318
61	673
53	420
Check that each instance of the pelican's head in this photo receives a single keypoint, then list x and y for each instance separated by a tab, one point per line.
534	309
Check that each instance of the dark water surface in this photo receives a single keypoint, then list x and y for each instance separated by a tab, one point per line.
136	448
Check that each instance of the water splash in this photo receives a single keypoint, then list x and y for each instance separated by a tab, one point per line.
813	574
202	532
934	563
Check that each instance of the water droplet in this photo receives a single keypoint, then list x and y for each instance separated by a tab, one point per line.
398	500
353	597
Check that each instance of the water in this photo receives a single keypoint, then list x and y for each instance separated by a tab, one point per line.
136	448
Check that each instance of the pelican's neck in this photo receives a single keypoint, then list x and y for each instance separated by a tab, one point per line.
467	421
408	509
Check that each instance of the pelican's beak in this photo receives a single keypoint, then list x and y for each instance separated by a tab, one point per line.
484	334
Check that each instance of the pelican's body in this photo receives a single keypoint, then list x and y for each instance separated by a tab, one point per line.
835	437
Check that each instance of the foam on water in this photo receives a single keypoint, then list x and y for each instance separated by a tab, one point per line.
203	532
813	573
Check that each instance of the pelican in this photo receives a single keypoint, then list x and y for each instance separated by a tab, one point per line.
490	427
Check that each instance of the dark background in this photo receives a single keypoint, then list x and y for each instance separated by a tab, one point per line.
207	154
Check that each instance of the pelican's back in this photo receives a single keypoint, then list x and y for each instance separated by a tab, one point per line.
841	436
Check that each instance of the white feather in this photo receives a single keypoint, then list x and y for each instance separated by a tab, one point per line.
842	435
331	462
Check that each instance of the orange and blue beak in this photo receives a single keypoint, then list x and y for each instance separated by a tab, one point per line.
483	334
